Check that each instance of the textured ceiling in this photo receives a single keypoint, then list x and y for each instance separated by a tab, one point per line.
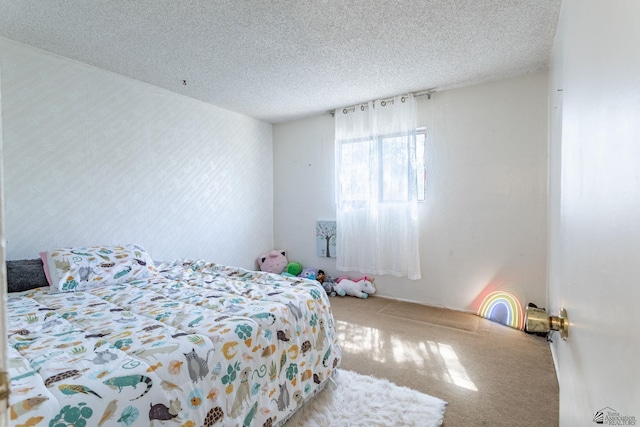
286	59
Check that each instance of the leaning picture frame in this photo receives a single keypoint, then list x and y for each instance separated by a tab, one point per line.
326	239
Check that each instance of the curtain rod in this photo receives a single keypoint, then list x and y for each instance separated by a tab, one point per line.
427	92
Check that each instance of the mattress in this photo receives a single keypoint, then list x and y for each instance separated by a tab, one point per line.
198	344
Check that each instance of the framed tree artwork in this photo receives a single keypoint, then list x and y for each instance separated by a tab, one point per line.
326	239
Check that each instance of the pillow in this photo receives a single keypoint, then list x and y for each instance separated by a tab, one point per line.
45	266
25	274
81	268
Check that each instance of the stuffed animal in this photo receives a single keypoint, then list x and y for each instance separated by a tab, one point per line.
329	285
361	289
363	278
273	262
293	269
320	277
309	273
355	280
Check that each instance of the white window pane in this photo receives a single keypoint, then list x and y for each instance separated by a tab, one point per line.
387	160
354	172
395	168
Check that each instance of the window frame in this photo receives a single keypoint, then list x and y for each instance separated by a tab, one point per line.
421	166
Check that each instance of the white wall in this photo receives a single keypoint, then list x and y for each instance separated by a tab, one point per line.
92	157
594	240
483	225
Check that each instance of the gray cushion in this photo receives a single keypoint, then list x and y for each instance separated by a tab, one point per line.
25	274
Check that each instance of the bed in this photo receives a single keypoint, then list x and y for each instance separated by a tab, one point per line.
117	340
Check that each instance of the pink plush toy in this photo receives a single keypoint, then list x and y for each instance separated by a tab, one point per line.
361	289
355	280
274	261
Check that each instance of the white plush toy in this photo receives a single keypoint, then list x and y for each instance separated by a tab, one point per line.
360	289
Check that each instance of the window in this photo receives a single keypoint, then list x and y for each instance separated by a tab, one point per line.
393	157
376	188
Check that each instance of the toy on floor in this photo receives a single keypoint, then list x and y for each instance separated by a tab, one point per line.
329	285
273	262
355	280
360	289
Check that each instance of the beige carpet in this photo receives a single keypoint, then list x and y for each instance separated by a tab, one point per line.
490	374
434	315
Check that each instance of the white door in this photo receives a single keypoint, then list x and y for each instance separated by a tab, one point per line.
4	379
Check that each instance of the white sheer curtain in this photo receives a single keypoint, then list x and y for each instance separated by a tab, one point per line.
376	188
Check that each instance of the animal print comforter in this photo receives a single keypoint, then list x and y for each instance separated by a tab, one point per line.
199	344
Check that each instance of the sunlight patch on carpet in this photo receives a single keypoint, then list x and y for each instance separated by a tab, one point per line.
364	401
456	373
361	339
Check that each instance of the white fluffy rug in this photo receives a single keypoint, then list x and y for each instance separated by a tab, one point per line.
360	400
